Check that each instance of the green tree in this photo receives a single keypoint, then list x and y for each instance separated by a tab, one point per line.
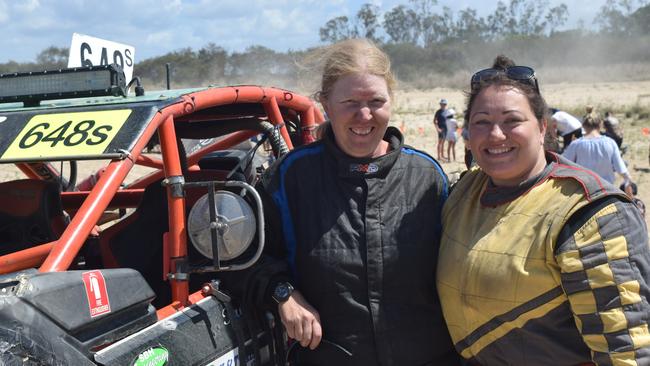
425	15
556	17
211	61
469	26
615	17
401	23
525	18
498	21
367	22
53	57
641	21
443	27
336	29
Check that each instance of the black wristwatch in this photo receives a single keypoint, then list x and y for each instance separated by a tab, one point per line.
282	292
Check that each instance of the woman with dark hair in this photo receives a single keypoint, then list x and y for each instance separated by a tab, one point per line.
551	264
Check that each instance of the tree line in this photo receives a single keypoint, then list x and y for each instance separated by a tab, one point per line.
420	23
428	45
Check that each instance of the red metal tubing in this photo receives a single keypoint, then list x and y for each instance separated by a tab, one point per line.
248	94
124	198
26	258
228	95
28	171
39	170
150	162
176	205
308	126
67	247
275	116
229	141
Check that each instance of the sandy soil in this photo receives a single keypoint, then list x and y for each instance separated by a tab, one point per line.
414	110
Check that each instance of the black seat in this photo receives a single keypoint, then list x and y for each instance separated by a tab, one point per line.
139	245
230	161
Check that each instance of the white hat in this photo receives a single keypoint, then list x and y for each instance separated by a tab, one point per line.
450	113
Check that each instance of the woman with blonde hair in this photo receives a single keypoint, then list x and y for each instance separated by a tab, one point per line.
357	223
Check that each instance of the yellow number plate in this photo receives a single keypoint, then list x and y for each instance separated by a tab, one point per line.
67	134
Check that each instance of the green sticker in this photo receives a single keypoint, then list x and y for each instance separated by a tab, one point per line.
156	356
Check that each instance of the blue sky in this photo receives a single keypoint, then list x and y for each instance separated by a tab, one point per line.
157	27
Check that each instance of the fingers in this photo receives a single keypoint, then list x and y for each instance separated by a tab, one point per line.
298	332
291	333
301	321
305	340
310	333
317	334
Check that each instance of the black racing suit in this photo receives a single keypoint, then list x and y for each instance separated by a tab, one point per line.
361	239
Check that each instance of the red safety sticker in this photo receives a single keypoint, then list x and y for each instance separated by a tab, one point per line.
96	293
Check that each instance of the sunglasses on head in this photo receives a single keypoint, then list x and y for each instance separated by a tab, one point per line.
522	74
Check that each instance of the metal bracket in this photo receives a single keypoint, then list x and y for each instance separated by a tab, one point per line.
176	183
182	271
212	288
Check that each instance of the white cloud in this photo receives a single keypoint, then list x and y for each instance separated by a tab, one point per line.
155	27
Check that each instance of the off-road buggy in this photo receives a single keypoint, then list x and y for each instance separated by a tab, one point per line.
115	271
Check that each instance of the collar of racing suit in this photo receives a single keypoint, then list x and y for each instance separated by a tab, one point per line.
348	166
494	196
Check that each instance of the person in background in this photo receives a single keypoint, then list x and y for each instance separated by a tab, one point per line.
355	220
551	263
598	153
568	126
452	126
468	152
440	122
613	128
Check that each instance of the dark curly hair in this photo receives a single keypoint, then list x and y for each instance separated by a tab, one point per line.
502	62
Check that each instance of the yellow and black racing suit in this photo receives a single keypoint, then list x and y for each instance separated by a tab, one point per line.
553	272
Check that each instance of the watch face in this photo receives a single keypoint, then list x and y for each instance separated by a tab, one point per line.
282	292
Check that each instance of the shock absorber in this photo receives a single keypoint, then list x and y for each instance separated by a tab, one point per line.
277	142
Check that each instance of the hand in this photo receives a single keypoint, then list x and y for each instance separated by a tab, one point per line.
628	189
301	320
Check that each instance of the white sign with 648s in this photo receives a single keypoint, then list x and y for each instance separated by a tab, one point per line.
91	51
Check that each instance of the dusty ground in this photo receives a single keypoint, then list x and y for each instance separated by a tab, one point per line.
414	110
